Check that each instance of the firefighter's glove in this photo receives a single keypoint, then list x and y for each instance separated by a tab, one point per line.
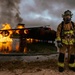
59	44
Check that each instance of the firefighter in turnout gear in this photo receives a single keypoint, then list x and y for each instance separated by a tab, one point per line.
66	41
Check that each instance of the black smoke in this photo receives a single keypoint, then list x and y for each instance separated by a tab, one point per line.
9	12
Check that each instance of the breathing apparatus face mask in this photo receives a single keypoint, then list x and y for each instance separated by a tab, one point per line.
67	20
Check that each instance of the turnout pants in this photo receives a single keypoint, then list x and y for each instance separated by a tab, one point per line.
71	55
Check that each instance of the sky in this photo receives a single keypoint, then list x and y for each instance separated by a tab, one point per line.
45	12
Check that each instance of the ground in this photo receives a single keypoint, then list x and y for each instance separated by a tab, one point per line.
48	67
33	65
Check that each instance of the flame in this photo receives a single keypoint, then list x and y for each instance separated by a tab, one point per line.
5	40
6	26
25	50
19	27
17	48
31	40
5	47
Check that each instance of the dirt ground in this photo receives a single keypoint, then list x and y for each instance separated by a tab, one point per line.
48	67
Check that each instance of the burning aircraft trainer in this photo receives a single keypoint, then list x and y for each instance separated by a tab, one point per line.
7	34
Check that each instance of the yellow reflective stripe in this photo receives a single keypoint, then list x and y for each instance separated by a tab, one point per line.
64	41
58	39
69	32
72	65
68	42
71	41
61	64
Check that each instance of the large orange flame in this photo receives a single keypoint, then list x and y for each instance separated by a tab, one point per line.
5	40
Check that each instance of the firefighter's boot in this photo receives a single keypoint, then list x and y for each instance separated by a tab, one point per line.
71	63
61	69
61	62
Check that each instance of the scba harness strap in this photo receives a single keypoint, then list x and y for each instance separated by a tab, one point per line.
63	33
62	28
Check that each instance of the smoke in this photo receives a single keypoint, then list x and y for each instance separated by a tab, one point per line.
9	12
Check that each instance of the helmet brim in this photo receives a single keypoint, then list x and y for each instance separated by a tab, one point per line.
63	15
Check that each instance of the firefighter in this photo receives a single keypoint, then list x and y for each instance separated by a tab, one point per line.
65	41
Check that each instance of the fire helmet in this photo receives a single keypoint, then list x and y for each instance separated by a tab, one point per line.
66	13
